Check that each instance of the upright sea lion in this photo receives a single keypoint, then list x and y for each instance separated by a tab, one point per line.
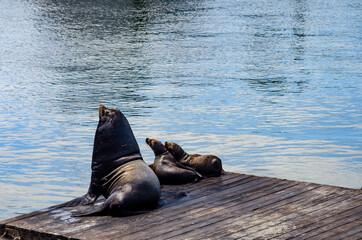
207	165
118	170
167	168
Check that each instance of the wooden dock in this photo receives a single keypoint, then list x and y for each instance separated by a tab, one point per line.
234	206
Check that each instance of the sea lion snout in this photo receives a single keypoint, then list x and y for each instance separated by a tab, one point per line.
107	114
157	146
103	111
170	147
149	141
153	142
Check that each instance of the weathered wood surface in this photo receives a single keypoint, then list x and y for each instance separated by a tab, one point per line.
234	206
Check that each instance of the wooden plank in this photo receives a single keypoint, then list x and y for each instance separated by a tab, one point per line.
353	234
17	218
228	207
208	214
11	232
285	221
322	210
256	219
330	227
354	225
269	229
252	218
309	223
237	221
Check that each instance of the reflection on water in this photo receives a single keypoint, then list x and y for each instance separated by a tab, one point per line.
272	87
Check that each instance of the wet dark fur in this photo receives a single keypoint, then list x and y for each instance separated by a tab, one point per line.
207	165
167	168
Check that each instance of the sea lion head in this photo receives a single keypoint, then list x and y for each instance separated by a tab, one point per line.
114	137
107	115
157	147
175	150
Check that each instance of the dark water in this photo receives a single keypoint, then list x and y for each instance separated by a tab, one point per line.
271	87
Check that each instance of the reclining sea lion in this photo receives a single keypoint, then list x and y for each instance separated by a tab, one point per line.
207	165
118	170
167	168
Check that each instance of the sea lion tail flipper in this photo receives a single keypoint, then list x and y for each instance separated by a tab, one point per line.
95	210
189	168
106	208
84	200
99	209
198	175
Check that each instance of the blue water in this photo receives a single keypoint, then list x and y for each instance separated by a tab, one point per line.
271	87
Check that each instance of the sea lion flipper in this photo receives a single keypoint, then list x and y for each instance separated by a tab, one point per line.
84	200
188	168
94	210
97	209
114	205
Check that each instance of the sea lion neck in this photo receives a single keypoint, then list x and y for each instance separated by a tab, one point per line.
114	138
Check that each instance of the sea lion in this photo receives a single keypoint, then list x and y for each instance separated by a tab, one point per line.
118	170
167	168
207	165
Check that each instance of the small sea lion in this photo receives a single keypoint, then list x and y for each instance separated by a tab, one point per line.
118	171
207	165
167	168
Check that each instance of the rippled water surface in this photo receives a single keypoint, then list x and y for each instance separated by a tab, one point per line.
271	87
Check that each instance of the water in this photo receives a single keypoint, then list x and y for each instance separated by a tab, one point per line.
271	87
